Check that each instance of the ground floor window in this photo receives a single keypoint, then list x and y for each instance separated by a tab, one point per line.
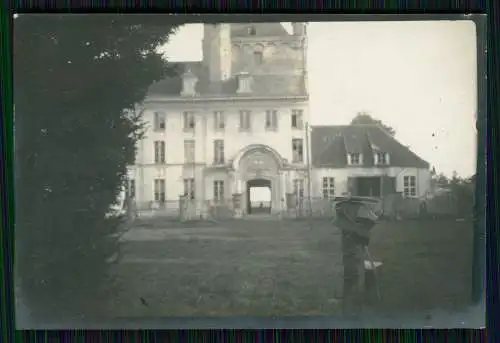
410	186
159	190
328	187
218	191
189	188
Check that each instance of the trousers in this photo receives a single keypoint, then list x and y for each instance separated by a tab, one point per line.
353	257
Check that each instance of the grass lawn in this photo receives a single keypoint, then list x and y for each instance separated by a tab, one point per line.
286	268
427	265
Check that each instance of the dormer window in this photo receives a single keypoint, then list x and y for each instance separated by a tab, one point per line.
381	158
189	81
355	159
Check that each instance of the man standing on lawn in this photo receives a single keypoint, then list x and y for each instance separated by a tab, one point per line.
355	217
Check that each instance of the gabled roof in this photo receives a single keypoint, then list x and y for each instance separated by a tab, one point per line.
331	144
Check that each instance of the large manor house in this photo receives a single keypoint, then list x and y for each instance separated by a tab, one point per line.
240	119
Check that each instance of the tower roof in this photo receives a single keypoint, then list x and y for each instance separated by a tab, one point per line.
260	29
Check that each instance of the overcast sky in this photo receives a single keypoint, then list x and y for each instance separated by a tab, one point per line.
418	77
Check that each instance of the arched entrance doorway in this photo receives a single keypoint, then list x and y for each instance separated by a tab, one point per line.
258	167
258	194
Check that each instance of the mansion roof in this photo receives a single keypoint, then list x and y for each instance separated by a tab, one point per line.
262	85
331	144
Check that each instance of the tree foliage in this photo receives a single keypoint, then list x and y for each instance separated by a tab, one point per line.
366	118
462	189
76	80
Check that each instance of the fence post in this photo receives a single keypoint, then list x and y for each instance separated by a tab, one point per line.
182	207
291	203
237	212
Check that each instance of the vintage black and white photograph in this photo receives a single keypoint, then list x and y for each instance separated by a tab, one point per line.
243	169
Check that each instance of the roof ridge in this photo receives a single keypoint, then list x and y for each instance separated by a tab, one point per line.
401	144
345	147
370	141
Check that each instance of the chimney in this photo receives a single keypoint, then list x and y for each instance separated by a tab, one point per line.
189	81
244	83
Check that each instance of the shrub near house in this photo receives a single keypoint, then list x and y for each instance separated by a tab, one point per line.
453	197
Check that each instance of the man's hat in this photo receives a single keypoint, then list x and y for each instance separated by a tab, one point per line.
365	204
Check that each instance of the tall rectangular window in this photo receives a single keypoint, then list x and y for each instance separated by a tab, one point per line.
219	121
297	150
159	190
189	151
189	122
245	120
189	188
271	120
159	151
219	191
297	119
410	186
159	121
219	151
328	188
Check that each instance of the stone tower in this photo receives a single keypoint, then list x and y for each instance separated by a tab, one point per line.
259	50
217	51
299	29
300	32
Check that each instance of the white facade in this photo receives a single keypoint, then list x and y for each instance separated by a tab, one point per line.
177	167
237	135
417	179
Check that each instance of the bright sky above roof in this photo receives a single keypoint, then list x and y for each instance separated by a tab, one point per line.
418	77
